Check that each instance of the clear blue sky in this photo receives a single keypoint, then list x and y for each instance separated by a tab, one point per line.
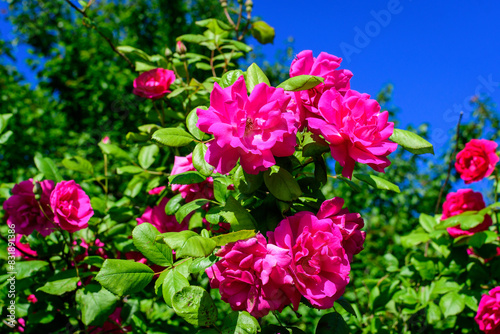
436	53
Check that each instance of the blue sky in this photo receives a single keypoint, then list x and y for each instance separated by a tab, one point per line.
436	53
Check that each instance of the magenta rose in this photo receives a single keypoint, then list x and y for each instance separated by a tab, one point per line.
320	266
306	102
477	160
157	190
461	201
25	213
350	225
24	250
488	312
252	276
355	129
154	84
71	206
157	217
190	192
113	325
251	128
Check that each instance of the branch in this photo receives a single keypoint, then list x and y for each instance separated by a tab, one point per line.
450	165
102	35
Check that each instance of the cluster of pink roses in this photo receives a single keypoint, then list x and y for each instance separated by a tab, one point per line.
488	313
307	255
254	129
475	162
41	206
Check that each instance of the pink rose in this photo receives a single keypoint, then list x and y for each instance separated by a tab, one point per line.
477	160
190	192
350	225
157	217
320	265
488	313
461	201
25	248
71	206
106	140
157	190
25	213
154	84
251	128
324	66
355	129
252	276
32	299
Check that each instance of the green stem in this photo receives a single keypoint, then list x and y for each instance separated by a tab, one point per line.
160	116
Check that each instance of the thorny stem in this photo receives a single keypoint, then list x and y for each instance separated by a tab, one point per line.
102	35
160	116
450	165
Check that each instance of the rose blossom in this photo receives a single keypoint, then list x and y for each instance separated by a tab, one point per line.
350	225
157	217
71	206
488	313
112	325
251	128
251	276
355	129
190	192
477	160
157	190
25	212
24	250
461	201
154	84
320	265
324	66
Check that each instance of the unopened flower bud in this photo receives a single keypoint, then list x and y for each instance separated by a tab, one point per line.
180	48
37	190
249	5
223	3
168	53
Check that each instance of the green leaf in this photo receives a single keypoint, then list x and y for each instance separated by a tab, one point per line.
220	189
129	170
4	119
5	136
346	305
194	304
247	183
131	50
123	277
301	82
237	216
48	168
238	45
414	239
186	209
114	150
320	170
282	184
188	243
173	204
377	182
61	283
96	304
174	137
199	162
262	32
254	77
411	142
147	155
78	164
230	78
145	241
28	268
332	323
466	220
433	313
173	283
191	121
190	177
224	239
240	323
451	304
200	264
424	266
191	38
427	222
